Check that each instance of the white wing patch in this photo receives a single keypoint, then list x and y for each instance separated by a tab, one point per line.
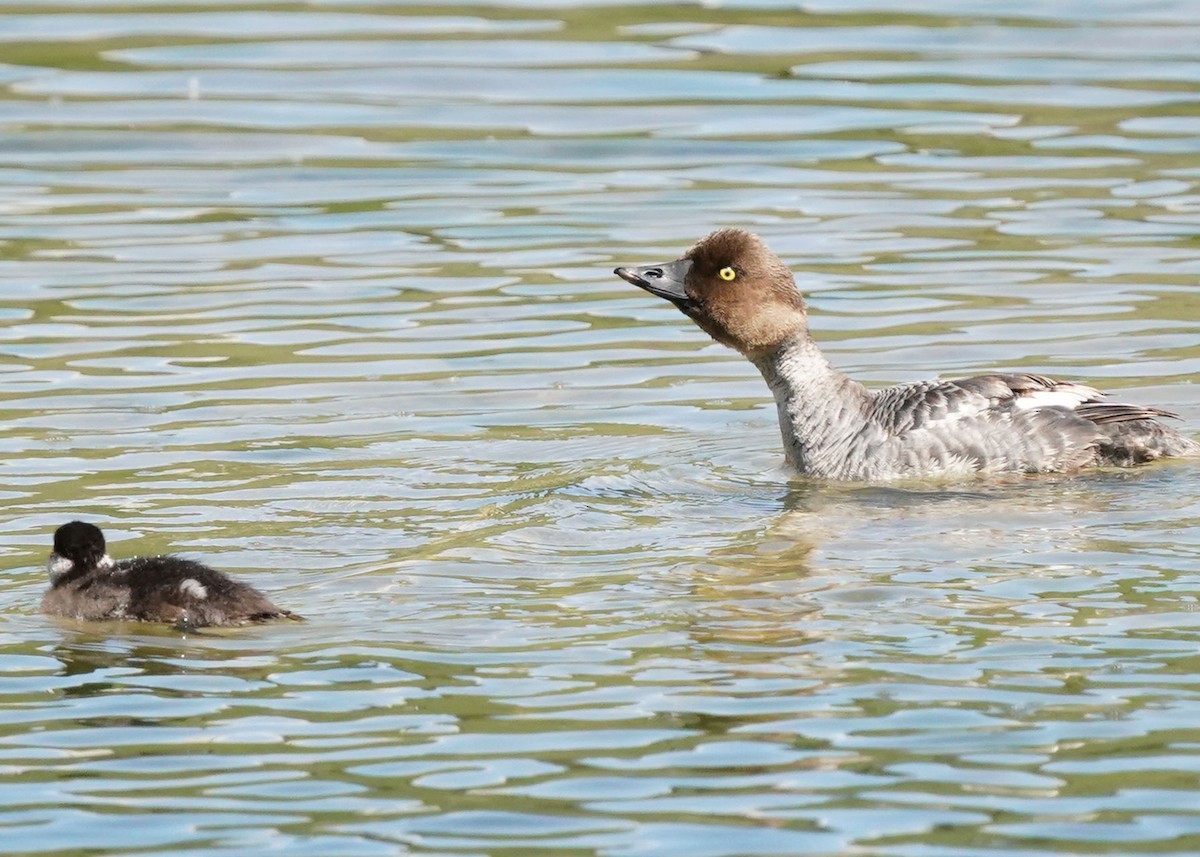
1069	396
194	588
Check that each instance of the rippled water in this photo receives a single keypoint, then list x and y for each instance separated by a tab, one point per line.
322	295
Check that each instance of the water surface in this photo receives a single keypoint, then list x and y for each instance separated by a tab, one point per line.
321	295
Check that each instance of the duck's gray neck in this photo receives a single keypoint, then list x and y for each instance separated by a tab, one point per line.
820	409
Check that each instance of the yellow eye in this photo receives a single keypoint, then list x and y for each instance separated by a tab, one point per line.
727	274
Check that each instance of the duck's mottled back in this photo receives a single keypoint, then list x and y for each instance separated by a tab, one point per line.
740	293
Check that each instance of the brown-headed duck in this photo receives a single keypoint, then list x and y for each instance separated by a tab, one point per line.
86	583
740	293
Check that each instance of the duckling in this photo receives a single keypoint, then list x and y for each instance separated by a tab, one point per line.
740	293
86	583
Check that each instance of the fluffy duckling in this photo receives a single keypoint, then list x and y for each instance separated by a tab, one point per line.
86	583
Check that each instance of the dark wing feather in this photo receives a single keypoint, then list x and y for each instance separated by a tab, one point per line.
1119	413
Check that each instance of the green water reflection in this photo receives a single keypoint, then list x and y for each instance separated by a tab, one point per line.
321	295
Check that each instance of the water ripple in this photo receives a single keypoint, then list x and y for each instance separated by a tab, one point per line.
323	297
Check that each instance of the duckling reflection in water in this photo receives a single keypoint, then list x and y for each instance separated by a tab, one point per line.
86	583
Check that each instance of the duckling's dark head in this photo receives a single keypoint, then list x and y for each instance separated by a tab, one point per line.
78	546
733	287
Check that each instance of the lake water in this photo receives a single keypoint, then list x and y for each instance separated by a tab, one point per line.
321	295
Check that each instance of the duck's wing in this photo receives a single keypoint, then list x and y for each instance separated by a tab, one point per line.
932	403
1000	422
1020	422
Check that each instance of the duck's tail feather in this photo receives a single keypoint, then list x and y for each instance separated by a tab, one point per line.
1132	434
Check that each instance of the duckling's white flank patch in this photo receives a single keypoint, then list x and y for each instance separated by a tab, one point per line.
57	565
194	588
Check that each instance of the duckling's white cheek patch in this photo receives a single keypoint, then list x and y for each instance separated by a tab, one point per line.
105	563
58	565
194	588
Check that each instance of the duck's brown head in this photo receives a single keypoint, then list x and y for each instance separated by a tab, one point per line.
733	287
